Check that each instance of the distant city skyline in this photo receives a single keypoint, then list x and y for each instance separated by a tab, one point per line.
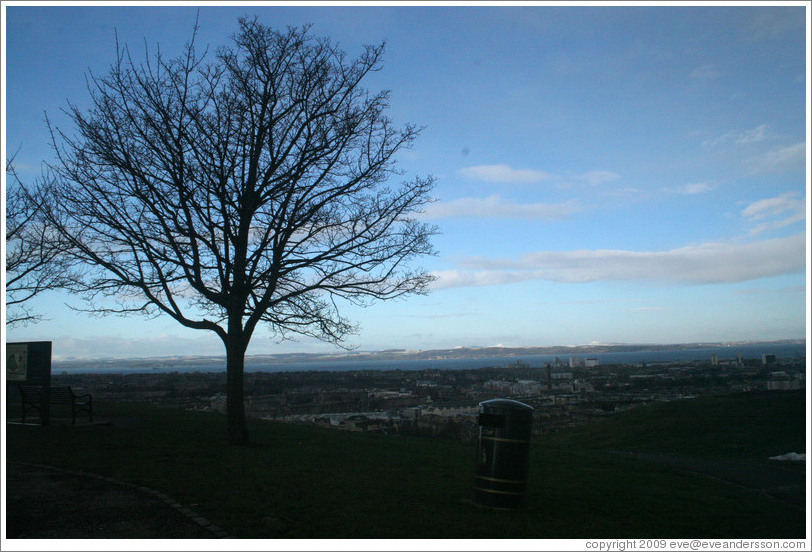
613	174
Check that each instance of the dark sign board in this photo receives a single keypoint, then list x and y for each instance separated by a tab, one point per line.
29	363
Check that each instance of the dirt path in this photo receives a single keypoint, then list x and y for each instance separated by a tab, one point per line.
783	484
47	503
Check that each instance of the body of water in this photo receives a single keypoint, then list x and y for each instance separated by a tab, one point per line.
749	351
631	357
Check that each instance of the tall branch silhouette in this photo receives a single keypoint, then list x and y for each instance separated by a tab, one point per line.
35	253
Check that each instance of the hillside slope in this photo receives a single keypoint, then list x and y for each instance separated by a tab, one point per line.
306	482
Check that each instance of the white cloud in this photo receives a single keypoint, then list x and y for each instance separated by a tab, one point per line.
741	137
773	206
779	159
624	193
504	174
709	263
115	346
758	134
496	207
694	188
461	278
594	178
775	212
99	346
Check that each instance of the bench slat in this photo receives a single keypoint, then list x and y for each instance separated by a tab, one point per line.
32	397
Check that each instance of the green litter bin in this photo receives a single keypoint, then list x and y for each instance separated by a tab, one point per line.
503	451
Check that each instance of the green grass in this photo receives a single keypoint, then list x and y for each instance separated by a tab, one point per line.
306	482
743	426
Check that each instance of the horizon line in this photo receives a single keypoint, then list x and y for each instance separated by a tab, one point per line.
339	354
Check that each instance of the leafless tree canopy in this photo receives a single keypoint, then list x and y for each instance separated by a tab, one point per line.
35	260
251	187
255	181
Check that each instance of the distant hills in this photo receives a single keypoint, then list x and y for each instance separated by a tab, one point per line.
158	363
563	350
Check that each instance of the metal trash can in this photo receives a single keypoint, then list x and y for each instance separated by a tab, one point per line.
503	451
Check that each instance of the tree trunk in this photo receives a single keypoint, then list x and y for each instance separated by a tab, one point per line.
235	400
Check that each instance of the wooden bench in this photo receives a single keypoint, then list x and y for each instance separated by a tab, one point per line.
32	398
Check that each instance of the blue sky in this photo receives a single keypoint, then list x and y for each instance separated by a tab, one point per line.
605	174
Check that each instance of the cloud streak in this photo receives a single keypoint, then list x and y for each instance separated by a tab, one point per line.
693	188
779	159
593	178
774	206
504	174
496	207
775	212
114	346
709	263
741	137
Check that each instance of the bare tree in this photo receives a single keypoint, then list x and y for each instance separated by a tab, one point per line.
248	189
35	260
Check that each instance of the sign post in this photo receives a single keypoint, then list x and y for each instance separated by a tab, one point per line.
29	363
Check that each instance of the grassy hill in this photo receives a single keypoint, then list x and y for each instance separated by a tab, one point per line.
746	426
306	482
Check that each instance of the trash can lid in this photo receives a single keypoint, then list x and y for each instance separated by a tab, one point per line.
508	404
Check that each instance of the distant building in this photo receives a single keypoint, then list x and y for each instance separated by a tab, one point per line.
449	411
500	386
560	382
527	387
767	360
782	381
785	385
714	360
411	413
592	363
